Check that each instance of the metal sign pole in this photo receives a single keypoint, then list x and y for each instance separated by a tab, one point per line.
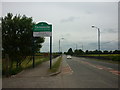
50	52
33	54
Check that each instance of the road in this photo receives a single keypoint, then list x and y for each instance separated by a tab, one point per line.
76	73
90	74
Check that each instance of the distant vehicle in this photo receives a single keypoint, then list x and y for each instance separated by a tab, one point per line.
69	57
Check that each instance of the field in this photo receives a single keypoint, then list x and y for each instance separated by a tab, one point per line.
114	58
102	55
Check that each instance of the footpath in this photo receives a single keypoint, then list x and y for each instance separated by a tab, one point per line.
38	77
39	71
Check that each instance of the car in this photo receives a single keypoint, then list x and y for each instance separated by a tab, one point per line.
69	57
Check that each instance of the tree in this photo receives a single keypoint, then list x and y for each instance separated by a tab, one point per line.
106	52
81	51
78	52
86	52
70	51
17	37
116	52
110	52
65	53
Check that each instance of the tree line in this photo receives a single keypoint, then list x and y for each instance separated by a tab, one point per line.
81	52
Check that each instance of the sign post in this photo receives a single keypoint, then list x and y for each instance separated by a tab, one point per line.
33	52
50	52
43	29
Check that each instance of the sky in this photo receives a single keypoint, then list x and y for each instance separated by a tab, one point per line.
72	21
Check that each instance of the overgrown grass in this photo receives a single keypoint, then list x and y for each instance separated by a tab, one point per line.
56	65
27	63
38	60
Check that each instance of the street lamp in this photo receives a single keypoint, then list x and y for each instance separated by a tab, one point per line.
59	43
98	38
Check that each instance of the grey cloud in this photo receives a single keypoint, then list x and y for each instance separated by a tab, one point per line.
110	31
88	12
70	19
111	45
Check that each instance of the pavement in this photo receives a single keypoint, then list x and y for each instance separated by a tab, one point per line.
75	73
41	71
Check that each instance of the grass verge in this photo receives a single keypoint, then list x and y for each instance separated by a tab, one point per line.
56	65
27	63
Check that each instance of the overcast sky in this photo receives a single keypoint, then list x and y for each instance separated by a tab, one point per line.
72	21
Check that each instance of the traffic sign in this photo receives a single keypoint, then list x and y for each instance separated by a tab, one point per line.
42	29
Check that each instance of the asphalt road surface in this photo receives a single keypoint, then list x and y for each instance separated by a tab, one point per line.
76	73
87	73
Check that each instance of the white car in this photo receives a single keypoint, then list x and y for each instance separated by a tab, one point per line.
69	57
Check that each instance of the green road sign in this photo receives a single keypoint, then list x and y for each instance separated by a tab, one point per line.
42	29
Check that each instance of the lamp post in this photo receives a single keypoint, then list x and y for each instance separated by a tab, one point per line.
98	38
59	43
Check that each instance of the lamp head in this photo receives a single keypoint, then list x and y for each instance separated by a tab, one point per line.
93	26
